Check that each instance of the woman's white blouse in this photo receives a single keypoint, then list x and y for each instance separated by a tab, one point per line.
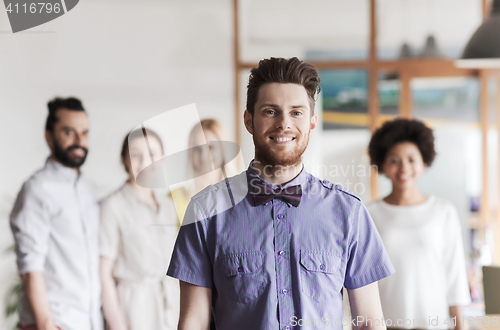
140	241
425	245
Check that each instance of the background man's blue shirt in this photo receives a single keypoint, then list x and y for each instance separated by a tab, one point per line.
270	266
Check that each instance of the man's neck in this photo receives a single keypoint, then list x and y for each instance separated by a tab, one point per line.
77	169
276	174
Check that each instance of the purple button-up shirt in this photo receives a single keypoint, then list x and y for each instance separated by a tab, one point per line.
276	266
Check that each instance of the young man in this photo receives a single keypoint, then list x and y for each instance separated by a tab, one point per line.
280	255
55	224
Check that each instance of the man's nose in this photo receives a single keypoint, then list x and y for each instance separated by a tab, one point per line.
80	140
77	139
284	122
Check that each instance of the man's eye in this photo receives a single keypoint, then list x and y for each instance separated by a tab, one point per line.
297	113
270	111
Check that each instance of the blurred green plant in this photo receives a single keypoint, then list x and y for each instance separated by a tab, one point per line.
12	297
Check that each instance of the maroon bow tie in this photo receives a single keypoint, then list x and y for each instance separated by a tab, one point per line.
263	194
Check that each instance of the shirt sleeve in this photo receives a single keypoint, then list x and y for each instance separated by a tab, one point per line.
109	232
368	260
454	263
30	224
191	261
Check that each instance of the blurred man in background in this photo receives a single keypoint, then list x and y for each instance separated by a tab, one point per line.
55	223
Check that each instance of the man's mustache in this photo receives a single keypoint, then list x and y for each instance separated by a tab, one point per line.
77	147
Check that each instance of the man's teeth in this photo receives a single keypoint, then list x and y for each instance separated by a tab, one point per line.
283	139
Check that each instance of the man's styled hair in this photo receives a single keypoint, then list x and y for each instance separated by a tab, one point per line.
70	103
285	71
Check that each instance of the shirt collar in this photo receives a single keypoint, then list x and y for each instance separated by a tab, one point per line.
69	174
132	194
252	176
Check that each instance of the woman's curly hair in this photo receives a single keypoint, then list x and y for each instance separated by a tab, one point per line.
401	130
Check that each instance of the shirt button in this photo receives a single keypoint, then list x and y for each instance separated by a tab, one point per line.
325	182
287	328
281	253
280	216
284	291
322	267
240	269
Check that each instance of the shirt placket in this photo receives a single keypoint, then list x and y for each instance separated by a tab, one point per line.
81	208
282	260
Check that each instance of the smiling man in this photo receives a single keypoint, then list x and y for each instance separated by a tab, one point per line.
55	224
279	257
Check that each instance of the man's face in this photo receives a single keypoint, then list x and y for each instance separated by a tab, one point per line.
69	140
281	124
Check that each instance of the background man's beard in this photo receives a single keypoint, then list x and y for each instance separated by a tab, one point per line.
273	158
66	159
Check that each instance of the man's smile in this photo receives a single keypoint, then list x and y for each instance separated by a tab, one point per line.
282	139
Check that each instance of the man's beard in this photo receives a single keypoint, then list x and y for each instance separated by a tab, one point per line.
275	158
65	158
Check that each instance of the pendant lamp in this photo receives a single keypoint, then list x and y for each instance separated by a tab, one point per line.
483	49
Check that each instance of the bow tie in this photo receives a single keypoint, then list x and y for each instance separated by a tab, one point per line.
263	194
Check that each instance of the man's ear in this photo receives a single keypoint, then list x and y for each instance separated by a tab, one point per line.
248	120
314	122
50	140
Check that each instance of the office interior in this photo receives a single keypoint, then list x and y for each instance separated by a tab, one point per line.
130	61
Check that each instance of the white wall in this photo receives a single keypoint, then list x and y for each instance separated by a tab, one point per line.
128	61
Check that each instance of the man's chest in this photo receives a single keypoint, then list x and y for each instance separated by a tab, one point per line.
278	227
73	211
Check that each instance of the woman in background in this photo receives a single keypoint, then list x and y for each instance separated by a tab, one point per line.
137	235
422	234
199	158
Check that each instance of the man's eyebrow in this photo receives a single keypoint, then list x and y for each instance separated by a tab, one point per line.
299	106
68	128
269	105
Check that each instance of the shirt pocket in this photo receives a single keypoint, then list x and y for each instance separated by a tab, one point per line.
243	275
321	275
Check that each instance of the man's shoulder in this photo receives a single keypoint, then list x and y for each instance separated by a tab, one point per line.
233	183
37	181
333	187
220	197
33	190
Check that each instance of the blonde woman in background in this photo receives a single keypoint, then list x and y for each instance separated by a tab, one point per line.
199	158
138	231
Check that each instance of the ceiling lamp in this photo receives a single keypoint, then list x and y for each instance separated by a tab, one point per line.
483	49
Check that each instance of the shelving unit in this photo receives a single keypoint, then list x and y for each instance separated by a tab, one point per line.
407	69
